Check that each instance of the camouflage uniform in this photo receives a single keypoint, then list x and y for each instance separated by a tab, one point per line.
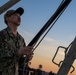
9	45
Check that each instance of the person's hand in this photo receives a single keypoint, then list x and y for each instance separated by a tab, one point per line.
27	50
29	57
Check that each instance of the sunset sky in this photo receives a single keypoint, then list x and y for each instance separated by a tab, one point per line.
37	13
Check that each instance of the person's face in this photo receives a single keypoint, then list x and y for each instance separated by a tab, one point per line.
15	19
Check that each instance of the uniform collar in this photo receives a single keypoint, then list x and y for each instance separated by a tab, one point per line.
10	32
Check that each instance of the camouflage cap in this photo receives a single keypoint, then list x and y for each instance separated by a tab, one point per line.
20	11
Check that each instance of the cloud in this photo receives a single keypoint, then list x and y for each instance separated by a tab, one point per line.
47	42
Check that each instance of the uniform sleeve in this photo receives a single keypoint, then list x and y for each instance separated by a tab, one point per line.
5	49
22	58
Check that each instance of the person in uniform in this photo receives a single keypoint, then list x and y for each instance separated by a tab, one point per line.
12	44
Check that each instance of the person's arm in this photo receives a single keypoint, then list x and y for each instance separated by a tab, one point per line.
5	49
